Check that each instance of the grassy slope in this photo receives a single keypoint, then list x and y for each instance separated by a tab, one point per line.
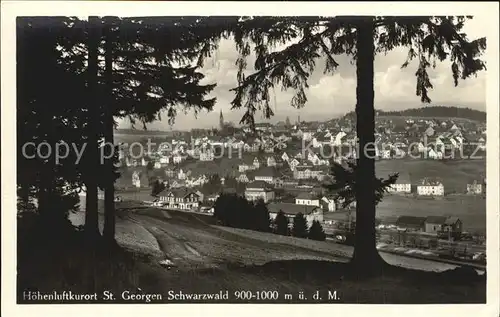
259	261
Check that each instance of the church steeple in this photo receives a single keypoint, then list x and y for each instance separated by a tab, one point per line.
221	121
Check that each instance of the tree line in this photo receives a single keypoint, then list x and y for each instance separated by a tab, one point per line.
433	112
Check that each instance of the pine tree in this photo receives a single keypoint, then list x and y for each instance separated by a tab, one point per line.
47	112
316	231
299	228
261	214
142	75
281	223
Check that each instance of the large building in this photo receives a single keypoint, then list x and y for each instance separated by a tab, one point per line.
259	190
307	199
266	174
311	213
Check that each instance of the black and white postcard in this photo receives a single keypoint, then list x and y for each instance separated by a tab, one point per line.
270	155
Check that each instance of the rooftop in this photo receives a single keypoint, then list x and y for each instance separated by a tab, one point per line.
291	209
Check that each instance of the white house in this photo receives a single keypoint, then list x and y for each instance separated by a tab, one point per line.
476	188
271	161
328	203
339	138
293	164
206	155
285	157
136	179
164	159
243	178
307	135
435	155
307	199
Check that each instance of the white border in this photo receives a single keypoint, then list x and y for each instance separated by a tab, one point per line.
486	11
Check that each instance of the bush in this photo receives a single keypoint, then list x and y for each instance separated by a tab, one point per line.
316	232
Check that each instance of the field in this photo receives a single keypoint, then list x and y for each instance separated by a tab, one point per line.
470	209
455	174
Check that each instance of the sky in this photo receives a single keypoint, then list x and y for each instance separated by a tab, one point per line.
332	95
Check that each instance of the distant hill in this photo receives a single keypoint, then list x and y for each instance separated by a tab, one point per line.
432	112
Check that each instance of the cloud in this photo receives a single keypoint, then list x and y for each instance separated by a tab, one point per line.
334	94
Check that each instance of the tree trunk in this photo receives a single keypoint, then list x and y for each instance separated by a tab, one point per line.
366	259
109	191
91	212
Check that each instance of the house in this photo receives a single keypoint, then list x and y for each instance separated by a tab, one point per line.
271	161
307	199
453	224
307	135
256	163
177	159
248	164
400	188
285	157
136	179
433	154
164	159
434	224
183	175
311	213
339	138
410	223
266	174
293	163
259	190
328	204
430	188
207	155
305	172
179	198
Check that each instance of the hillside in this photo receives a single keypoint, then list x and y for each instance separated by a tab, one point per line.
432	112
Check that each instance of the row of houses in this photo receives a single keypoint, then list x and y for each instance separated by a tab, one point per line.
430	224
430	187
